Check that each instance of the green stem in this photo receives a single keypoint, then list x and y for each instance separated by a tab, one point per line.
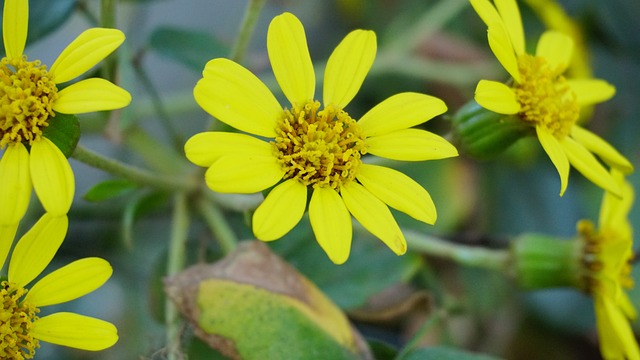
108	20
218	225
413	343
129	172
246	29
175	264
462	254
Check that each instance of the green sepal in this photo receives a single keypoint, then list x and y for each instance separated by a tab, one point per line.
483	134
64	131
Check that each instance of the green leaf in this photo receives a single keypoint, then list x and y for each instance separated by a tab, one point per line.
64	131
188	47
109	189
445	353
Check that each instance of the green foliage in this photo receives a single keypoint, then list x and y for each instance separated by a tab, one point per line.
109	189
445	353
64	131
190	48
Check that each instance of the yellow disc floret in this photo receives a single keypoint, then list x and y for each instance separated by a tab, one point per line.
545	96
319	148
16	321
27	94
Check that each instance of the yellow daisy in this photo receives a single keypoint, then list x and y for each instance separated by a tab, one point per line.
542	97
21	328
29	98
606	260
314	150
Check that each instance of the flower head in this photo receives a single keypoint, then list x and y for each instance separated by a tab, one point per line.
542	97
316	147
21	327
30	99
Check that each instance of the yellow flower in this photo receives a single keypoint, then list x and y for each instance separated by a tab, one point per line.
544	98
607	255
29	98
21	328
313	149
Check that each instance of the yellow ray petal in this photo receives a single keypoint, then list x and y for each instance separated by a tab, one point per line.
36	248
614	210
557	155
398	191
347	67
557	49
281	210
52	177
510	14
238	98
500	44
401	111
15	23
7	234
15	184
290	59
591	91
411	145
487	12
88	49
243	174
205	148
603	149
497	97
374	215
616	336
589	166
91	95
70	282
76	331
331	223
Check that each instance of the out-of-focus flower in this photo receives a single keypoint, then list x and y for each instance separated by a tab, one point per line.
316	150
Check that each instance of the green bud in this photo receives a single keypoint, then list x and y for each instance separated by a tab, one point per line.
483	134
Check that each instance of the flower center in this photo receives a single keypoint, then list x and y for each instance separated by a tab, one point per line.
319	148
545	96
16	322
27	94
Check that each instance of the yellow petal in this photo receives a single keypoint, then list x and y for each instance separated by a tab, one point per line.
557	49
616	336
603	149
591	91
205	148
88	49
76	331
589	166
15	23
398	191
238	98
36	248
70	282
374	215
290	59
7	234
15	184
487	12
331	223
500	44
510	15
91	95
347	67
614	210
401	111
243	174
557	155
52	177
281	210
497	97
411	145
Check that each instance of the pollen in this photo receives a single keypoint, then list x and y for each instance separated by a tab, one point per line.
27	94
545	97
319	148
16	322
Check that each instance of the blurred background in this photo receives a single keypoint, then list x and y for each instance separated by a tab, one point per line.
429	46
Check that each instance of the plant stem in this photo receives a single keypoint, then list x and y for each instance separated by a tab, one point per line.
413	342
175	264
218	225
246	29
462	254
129	172
108	20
